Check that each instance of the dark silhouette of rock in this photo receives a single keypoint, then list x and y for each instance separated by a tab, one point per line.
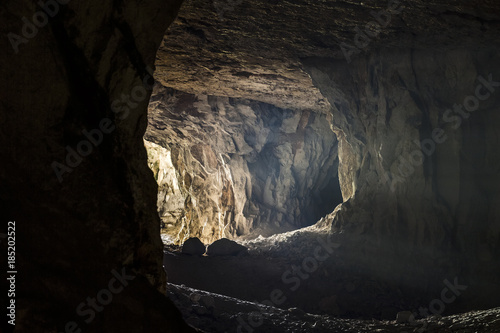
225	247
65	99
193	246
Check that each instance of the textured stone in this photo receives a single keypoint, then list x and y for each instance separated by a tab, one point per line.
421	49
279	320
207	301
102	216
403	104
441	212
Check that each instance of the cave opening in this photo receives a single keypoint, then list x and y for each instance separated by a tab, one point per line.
237	168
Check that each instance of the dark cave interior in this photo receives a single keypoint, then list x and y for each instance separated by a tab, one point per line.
339	159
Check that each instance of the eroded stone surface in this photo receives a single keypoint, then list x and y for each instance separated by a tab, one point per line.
413	162
228	313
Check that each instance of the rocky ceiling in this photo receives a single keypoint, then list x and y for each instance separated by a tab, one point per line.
253	49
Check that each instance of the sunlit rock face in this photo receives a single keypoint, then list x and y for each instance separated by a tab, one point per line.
227	167
170	200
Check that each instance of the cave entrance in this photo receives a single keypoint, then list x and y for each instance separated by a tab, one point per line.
237	168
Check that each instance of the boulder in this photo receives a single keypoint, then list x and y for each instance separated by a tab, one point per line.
195	297
193	246
207	301
404	317
225	247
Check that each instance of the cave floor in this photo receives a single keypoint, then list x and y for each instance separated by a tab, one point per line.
210	312
309	282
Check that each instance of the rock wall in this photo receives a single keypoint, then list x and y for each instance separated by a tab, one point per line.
419	152
74	174
409	144
231	167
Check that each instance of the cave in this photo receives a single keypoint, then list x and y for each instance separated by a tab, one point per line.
250	166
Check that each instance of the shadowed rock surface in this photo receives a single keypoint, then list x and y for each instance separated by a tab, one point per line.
253	49
225	247
193	246
421	155
334	274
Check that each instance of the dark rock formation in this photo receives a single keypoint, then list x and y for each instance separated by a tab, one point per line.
225	247
193	246
405	317
77	84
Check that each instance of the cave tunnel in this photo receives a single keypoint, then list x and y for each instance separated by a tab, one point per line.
250	166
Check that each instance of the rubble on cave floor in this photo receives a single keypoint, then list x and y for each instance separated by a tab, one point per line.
210	312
